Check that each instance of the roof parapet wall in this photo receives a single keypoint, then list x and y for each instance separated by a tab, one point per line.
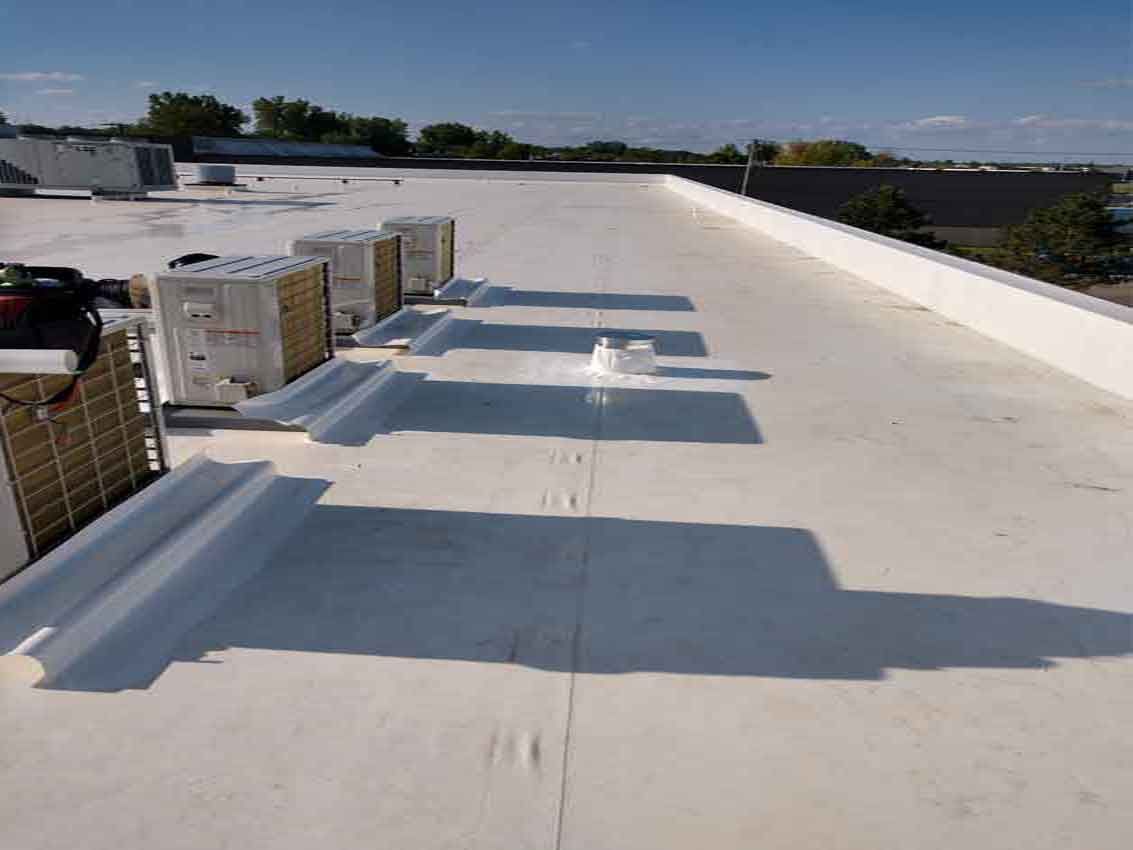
1083	336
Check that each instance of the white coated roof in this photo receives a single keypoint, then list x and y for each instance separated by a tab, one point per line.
843	574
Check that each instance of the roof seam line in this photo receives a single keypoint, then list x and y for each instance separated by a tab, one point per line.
580	609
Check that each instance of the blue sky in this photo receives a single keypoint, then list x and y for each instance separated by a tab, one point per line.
1010	75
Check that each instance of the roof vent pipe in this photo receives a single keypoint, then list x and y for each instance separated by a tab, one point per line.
625	353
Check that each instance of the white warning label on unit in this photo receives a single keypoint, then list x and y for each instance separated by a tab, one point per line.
196	350
232	338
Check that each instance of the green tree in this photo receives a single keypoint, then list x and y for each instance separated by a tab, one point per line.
488	145
612	148
446	137
766	151
389	136
887	211
727	154
823	152
183	114
731	155
516	150
3	118
303	121
267	113
295	120
1071	242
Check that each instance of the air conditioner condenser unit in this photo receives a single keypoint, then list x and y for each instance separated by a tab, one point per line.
366	274
63	466
236	327
428	246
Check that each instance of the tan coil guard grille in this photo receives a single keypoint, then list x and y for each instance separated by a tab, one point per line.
387	277
302	321
448	251
89	457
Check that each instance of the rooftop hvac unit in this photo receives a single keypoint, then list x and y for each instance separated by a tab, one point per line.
110	168
235	327
365	268
428	243
65	465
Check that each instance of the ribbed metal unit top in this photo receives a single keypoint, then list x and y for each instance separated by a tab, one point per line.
345	236
246	268
419	219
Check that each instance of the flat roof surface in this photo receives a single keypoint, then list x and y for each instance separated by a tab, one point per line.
843	575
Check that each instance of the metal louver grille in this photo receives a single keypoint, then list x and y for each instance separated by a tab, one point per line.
163	166
387	277
144	158
303	322
13	174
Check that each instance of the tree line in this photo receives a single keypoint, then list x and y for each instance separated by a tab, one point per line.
184	114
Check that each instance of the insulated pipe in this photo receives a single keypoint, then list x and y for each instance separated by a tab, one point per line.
38	361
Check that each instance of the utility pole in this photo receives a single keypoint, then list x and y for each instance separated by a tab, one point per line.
751	148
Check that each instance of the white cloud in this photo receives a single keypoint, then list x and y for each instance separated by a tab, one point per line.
558	128
939	122
145	84
41	77
1111	83
1050	122
56	92
580	44
546	116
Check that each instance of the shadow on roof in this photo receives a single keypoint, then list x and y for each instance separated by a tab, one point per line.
508	296
207	201
540	410
711	374
473	333
669	597
243	202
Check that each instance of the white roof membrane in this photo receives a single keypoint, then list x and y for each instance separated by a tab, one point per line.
842	574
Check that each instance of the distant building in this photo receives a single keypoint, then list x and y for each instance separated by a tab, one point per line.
966	206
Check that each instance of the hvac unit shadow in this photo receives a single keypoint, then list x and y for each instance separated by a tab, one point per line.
564	339
237	202
509	296
488	336
245	202
539	410
719	600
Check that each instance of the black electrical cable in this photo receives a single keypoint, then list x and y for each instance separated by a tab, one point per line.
86	360
72	301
